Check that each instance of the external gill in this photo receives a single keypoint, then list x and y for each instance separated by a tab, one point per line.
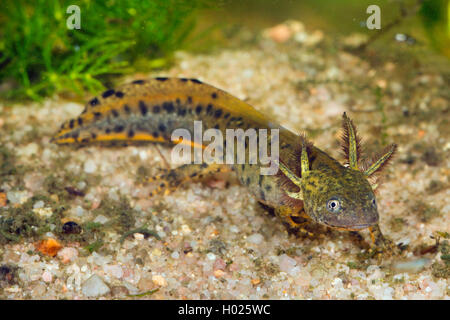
351	145
304	166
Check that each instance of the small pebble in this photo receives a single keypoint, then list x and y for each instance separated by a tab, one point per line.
90	166
211	256
67	254
94	287
159	280
47	276
412	266
38	204
219	273
101	219
138	236
255	238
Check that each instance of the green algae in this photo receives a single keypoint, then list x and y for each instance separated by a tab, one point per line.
41	55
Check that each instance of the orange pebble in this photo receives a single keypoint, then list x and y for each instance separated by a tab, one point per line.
49	247
2	199
421	133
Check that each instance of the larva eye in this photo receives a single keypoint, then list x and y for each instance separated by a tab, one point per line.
334	205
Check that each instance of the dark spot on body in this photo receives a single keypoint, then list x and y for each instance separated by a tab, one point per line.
262	195
183	79
198	109
189	99
168	106
138	81
115	113
127	108
182	111
71	123
218	113
93	135
94	102
196	81
214	95
209	108
108	93
119	94
193	174
156	109
162	127
107	130
80	121
226	116
178	101
118	128
247	182
161	78
155	134
97	115
130	133
268	187
143	108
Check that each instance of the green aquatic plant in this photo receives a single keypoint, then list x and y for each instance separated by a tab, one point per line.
40	55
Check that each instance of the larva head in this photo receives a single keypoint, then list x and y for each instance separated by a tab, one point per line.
340	196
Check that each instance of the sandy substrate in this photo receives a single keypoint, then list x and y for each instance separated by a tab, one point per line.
211	239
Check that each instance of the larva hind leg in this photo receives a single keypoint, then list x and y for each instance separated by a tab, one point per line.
294	220
173	178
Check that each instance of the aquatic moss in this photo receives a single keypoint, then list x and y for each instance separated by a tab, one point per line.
425	211
9	169
40	55
441	269
397	224
17	223
436	186
120	210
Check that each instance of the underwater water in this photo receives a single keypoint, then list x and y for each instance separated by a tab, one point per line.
83	219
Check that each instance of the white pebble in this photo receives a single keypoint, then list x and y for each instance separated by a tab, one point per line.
81	185
101	219
113	270
94	287
90	166
175	255
211	256
38	204
287	263
143	155
47	276
255	238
